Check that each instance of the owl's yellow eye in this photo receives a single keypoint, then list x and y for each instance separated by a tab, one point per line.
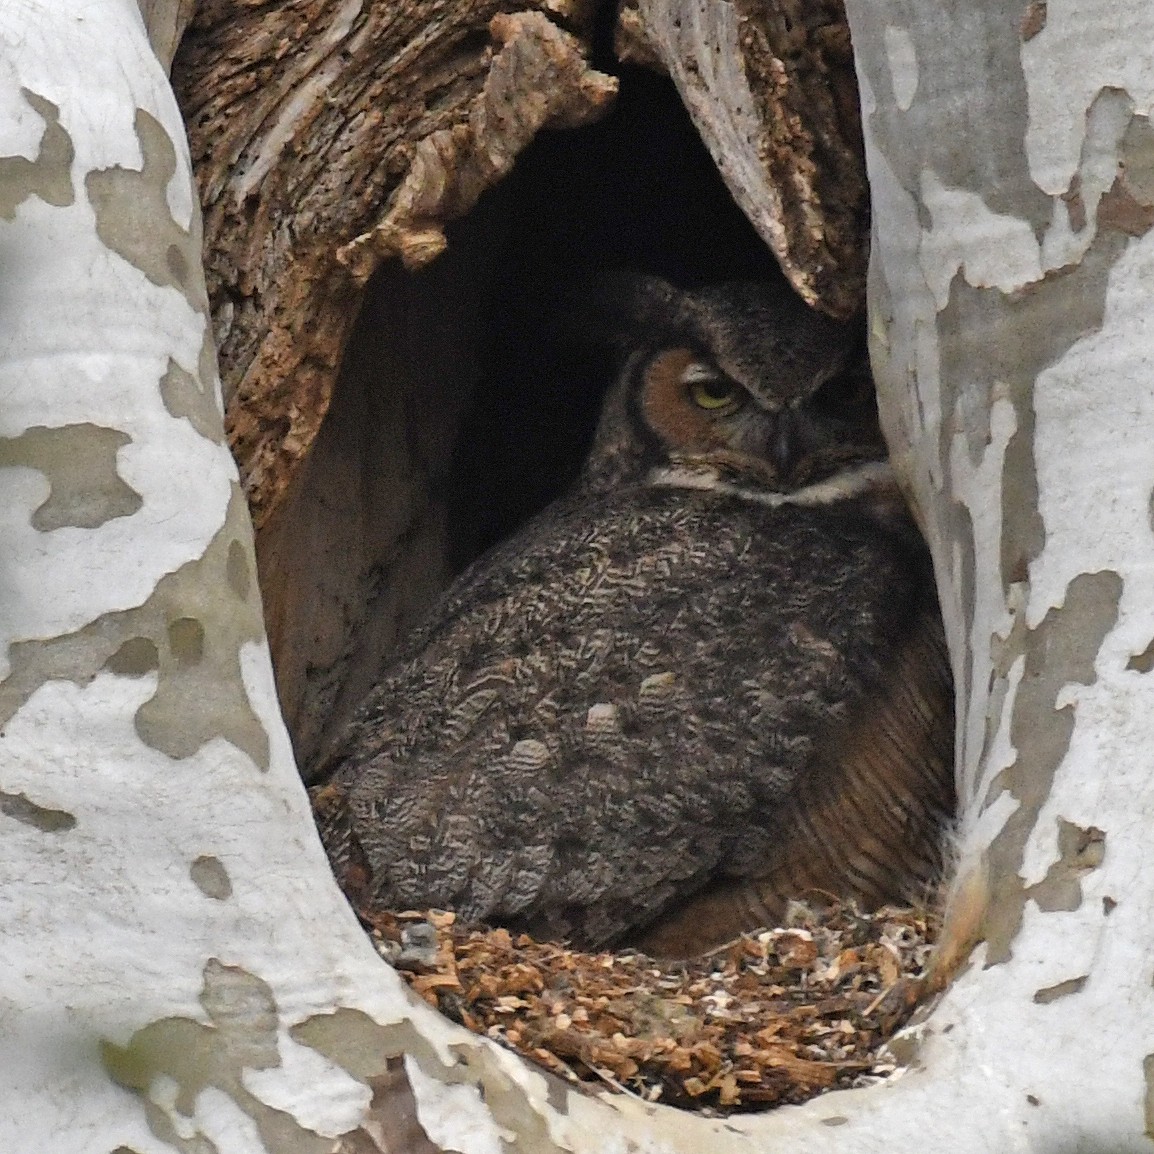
712	392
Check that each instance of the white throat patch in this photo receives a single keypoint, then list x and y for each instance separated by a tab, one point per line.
850	482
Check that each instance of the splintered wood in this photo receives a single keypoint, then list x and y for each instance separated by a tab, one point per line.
772	1018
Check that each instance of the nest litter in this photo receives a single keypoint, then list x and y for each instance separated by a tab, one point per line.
771	1018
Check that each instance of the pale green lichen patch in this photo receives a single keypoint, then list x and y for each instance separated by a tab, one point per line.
79	462
364	1049
1048	994
1079	852
210	877
1060	651
192	399
190	631
49	176
241	1034
133	218
18	807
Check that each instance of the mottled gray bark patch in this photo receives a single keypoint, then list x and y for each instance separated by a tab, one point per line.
963	51
193	399
238	570
362	1048
18	807
1120	210
1137	159
133	218
1148	1100
49	176
957	525
905	1049
1048	994
1142	662
1127	206
1079	852
137	657
241	1033
1075	204
210	877
186	640
990	340
190	631
969	116
1060	651
79	462
392	1112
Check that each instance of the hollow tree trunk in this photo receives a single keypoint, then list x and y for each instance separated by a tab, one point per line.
1012	175
177	965
350	148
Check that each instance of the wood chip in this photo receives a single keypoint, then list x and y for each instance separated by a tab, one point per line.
772	1018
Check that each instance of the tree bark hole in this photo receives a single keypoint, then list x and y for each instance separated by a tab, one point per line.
460	410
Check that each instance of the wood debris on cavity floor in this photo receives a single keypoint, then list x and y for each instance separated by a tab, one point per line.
774	1017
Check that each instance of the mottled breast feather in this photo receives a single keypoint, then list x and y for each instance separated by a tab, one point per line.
652	716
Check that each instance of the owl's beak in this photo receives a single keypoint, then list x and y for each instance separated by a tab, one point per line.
784	446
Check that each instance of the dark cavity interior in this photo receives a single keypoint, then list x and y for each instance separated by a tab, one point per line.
460	411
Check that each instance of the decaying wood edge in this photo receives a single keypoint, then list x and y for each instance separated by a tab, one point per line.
166	21
772	92
302	126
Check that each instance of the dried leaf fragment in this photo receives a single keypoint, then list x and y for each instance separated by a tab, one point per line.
750	1026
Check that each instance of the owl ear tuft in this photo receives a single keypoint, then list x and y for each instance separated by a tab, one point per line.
616	308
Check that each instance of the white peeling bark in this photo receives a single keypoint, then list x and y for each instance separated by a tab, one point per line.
1012	176
167	916
176	965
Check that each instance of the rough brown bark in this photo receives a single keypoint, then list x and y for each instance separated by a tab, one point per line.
772	91
305	120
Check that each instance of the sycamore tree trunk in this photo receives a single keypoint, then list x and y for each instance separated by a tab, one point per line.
177	968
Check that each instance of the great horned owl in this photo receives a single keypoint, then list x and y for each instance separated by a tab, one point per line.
710	678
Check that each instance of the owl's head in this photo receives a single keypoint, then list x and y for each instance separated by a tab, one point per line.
740	378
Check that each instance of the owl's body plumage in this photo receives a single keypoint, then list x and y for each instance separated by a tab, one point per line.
710	678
